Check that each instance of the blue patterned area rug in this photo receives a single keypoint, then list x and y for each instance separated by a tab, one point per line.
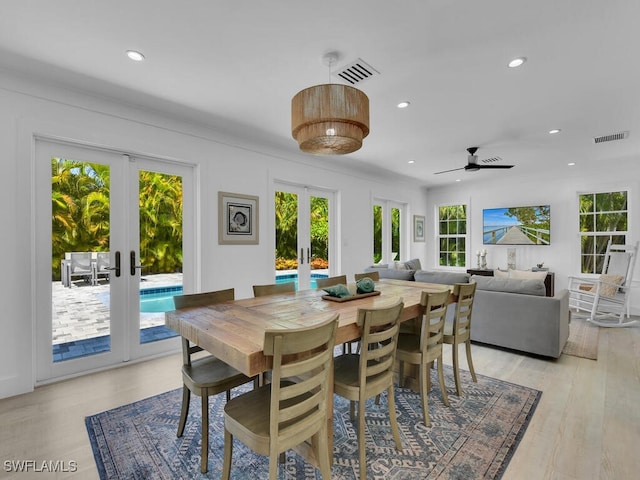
473	438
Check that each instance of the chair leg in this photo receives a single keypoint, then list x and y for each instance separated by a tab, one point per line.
424	375
352	410
205	433
470	361
273	463
226	457
401	374
361	441
443	387
228	395
393	418
184	411
322	453
456	369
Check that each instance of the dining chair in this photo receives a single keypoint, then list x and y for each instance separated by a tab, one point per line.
363	375
273	289
293	407
424	347
459	330
375	276
330	281
205	376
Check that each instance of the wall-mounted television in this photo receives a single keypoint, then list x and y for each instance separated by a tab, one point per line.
516	226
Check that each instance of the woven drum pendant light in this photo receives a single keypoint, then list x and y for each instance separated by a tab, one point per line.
330	119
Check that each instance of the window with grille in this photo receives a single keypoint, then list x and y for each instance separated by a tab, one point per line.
452	235
603	217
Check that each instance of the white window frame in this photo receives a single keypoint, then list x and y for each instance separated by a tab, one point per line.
387	206
608	234
439	236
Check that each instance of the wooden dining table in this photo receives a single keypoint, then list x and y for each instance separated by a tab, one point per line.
233	331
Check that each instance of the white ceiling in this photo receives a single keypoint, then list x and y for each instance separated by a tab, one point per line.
235	65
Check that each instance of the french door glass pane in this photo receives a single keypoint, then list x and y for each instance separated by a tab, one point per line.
395	234
319	219
160	217
80	233
286	209
377	233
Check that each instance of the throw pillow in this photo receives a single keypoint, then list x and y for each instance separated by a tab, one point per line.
413	264
611	286
501	273
339	291
526	274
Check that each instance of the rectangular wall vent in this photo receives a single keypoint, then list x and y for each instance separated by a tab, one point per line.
611	137
356	72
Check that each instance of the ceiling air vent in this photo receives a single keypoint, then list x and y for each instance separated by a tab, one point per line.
356	72
611	137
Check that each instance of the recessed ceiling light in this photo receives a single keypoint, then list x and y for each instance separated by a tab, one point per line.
554	131
404	104
516	62
411	161
571	164
135	56
457	179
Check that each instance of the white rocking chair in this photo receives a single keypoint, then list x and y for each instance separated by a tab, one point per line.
606	299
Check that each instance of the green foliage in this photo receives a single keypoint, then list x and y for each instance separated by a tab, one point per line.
601	215
80	215
286	208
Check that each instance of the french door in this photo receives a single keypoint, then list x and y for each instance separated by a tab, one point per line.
305	234
113	245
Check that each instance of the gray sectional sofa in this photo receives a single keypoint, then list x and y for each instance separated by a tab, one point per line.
508	312
516	314
412	270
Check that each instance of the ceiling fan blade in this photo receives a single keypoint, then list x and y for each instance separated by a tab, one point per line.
447	171
492	166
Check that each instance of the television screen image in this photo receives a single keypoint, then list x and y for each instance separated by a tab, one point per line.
516	226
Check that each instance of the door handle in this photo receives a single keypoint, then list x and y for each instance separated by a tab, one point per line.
117	267
302	256
132	259
308	255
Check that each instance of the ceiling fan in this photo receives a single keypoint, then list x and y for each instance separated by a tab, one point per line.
473	165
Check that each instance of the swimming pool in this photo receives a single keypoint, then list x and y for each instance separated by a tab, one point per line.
158	299
293	277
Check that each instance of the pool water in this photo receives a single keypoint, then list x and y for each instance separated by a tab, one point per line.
293	277
158	300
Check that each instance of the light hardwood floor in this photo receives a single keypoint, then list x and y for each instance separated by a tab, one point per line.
586	426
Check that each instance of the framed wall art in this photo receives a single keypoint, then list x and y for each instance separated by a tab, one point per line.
237	219
418	228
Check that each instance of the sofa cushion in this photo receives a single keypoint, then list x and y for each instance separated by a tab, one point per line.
524	286
501	273
527	274
447	278
413	264
396	274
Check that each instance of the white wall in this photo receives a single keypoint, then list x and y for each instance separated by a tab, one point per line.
562	255
223	163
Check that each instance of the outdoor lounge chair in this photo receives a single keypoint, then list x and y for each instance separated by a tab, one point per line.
79	265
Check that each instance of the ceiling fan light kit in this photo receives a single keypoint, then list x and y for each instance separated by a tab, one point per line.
330	119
